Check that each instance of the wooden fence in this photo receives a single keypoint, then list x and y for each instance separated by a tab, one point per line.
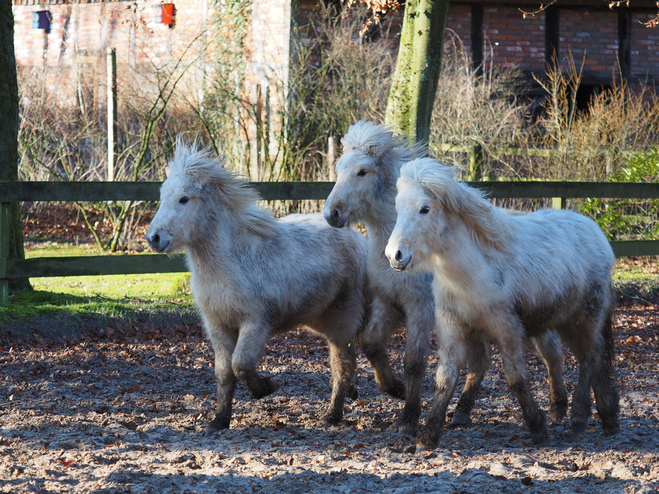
160	263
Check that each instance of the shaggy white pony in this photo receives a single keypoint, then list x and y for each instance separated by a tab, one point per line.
365	191
254	275
500	276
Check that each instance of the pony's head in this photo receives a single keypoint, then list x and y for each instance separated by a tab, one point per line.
367	172
197	191
431	206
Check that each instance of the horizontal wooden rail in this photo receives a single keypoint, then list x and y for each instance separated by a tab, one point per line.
159	263
149	191
143	191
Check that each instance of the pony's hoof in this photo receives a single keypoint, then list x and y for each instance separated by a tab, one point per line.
407	429
610	430
579	427
427	440
216	426
558	412
541	440
460	420
267	387
396	389
332	418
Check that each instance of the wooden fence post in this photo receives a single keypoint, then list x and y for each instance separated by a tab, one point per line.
475	161
5	233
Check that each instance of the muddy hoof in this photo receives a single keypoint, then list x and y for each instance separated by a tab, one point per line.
558	412
407	429
396	389
610	429
579	427
541	439
460	420
332	418
216	425
427	440
266	387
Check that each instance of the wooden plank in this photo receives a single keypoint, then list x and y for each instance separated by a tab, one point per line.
149	191
627	248
538	190
95	265
144	191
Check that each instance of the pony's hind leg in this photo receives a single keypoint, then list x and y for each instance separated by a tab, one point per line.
606	393
383	320
511	345
549	347
420	323
342	364
479	360
223	345
252	337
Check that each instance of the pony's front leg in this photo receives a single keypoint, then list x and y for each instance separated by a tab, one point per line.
252	337
549	347
383	320
419	329
479	360
223	345
450	359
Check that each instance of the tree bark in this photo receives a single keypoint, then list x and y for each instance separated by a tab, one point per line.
9	129
412	95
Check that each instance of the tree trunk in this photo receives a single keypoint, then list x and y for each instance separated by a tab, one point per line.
410	102
9	129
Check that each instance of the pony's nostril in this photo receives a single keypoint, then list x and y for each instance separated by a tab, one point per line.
335	214
399	256
155	239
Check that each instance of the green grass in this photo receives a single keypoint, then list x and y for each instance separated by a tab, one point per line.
123	297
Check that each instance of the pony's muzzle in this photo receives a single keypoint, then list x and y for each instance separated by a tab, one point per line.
398	259
334	217
159	241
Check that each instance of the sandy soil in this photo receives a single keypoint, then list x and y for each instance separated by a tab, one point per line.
125	410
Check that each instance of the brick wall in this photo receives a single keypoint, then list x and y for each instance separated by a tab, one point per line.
512	40
74	49
593	33
645	48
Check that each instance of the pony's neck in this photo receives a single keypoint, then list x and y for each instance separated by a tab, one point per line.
381	220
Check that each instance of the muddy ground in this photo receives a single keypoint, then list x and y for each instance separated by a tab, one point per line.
124	410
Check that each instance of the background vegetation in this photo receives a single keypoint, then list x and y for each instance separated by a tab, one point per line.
337	77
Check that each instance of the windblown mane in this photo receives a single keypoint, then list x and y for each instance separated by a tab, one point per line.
212	177
489	225
380	143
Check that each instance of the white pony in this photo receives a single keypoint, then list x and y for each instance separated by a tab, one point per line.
254	275
365	191
500	276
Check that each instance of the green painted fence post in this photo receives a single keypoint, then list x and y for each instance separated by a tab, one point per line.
558	202
4	252
475	161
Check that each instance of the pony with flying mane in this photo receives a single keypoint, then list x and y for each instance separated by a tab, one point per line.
501	276
254	275
365	191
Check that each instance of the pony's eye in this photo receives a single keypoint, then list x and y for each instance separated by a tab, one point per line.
424	210
361	173
184	200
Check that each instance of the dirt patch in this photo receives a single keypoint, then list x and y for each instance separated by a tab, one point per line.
125	412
